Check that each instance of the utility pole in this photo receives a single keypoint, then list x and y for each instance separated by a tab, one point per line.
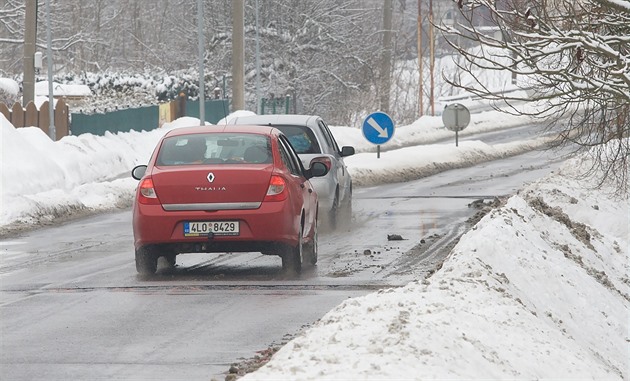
386	63
51	96
30	38
420	65
258	96
238	55
202	76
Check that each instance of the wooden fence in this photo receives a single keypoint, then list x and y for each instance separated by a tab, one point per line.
32	117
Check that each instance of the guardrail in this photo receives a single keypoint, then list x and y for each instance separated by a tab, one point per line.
475	103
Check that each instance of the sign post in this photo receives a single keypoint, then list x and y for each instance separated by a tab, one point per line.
378	128
456	117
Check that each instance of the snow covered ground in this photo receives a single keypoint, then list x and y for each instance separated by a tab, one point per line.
538	289
43	180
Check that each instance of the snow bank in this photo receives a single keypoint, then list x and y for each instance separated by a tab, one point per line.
537	289
9	86
43	180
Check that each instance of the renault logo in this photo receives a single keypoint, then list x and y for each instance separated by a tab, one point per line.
210	177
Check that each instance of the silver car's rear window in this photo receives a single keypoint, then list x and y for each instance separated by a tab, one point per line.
215	148
302	139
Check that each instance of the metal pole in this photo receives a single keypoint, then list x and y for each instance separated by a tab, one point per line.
420	66
51	100
457	127
202	77
257	63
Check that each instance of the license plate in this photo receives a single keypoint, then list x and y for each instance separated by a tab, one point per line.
197	229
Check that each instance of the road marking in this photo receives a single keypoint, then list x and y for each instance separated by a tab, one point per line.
201	288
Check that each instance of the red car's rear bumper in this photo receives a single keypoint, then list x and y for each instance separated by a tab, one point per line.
260	229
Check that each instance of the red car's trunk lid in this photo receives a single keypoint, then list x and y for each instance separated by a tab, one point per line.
202	184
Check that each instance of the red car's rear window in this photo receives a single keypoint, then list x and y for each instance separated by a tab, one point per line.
215	148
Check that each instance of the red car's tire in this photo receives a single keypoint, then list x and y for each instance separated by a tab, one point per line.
293	256
146	260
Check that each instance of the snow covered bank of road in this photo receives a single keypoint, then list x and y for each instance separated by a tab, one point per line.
413	163
430	129
537	289
44	181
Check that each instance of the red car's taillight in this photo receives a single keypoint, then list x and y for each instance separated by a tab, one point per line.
277	189
147	193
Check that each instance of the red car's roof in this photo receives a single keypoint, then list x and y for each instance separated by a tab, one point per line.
249	129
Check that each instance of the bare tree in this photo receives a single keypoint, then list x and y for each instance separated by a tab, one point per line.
573	57
11	33
324	53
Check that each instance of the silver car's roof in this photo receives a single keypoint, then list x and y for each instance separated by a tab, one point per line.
278	119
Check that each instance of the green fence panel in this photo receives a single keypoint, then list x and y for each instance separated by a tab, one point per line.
125	120
141	118
215	110
275	105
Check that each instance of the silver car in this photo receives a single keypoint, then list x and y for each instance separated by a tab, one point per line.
311	137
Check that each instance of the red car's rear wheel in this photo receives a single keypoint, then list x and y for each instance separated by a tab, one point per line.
292	257
146	260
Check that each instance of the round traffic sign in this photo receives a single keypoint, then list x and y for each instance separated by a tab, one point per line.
456	117
378	127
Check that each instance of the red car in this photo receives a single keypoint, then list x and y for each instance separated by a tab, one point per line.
225	189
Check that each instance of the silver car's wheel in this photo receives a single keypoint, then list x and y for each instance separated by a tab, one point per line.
333	214
310	250
344	218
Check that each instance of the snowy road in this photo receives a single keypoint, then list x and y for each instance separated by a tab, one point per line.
74	308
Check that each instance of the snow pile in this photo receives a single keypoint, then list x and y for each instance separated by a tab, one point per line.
413	163
537	289
429	129
44	180
9	90
62	90
9	86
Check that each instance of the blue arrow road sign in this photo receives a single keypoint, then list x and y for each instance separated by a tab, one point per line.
378	128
